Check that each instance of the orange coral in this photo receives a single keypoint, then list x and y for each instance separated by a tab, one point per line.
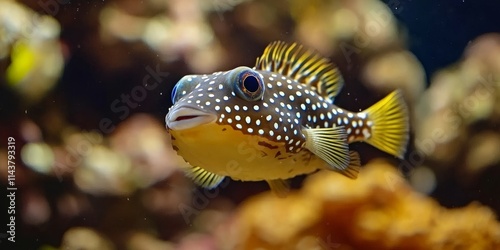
379	210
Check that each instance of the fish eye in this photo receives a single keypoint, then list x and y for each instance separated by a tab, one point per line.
249	85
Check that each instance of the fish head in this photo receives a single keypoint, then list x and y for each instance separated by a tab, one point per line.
216	98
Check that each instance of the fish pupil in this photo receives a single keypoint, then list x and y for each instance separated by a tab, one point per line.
251	84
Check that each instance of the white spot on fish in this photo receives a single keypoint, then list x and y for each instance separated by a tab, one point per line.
366	133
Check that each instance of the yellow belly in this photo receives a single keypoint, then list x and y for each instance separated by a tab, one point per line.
224	151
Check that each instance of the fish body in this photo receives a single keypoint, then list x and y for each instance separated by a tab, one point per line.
276	120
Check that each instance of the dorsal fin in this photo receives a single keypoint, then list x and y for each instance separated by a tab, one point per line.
303	65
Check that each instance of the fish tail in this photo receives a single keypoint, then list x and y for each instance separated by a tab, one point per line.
389	124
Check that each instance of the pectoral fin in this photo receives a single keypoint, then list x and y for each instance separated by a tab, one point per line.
204	178
280	187
330	144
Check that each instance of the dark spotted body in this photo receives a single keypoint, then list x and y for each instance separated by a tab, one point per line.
286	107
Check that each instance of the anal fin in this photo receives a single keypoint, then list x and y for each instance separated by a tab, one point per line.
354	165
280	187
204	178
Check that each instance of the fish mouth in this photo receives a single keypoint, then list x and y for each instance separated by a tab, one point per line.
187	117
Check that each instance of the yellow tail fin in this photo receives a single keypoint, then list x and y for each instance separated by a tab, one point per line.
390	128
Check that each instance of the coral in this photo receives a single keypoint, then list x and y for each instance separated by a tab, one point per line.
379	210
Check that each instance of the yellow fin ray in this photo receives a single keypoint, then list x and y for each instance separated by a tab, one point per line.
204	178
390	128
303	65
330	144
354	165
280	187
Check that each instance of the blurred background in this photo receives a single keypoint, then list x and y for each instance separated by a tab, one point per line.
85	87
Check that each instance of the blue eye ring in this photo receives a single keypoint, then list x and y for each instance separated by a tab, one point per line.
174	93
249	85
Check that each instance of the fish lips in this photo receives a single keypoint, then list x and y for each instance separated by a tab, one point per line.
185	117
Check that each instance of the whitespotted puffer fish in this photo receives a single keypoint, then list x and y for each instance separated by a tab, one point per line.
277	120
